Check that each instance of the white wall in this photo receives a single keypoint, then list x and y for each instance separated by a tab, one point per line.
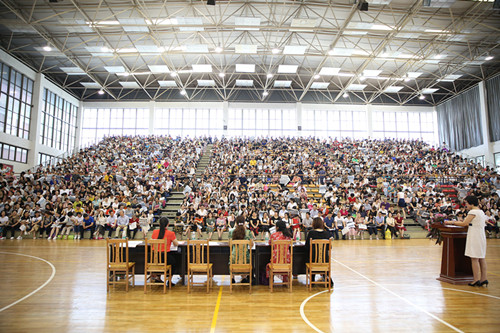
33	146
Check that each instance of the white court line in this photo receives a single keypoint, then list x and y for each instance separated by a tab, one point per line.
471	292
304	316
37	289
401	297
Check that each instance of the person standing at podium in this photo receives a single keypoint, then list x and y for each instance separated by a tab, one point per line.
475	246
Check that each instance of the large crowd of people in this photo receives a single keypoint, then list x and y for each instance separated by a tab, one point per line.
359	188
118	187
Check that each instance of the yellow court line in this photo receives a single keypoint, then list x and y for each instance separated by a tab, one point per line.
216	312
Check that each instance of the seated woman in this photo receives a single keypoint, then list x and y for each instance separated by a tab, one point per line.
163	233
400	225
318	232
391	225
240	233
282	233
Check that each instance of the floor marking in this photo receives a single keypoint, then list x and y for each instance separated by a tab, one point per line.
472	292
302	306
37	289
401	297
216	312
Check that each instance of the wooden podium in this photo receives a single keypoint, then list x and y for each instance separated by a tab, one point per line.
456	268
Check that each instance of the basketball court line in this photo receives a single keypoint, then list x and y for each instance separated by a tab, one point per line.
37	289
217	306
400	297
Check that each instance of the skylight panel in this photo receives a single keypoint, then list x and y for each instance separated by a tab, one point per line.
282	84
450	78
429	90
169	83
371	72
245	68
134	25
191	23
320	85
197	48
329	71
241	48
157	69
304	23
246	23
287	69
206	83
244	83
115	69
131	85
414	75
73	70
91	85
149	49
356	87
341	51
294	49
393	89
202	68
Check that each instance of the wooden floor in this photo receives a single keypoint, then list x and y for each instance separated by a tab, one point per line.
380	286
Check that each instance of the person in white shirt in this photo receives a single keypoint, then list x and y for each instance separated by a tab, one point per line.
122	224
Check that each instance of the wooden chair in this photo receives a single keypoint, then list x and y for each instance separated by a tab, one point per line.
282	248
117	257
198	253
319	262
240	261
155	261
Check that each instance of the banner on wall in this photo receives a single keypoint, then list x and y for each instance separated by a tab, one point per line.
7	169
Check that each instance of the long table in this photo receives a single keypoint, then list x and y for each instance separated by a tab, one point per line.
219	257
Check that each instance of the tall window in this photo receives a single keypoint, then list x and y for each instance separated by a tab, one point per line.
334	123
58	122
15	102
100	122
13	153
404	125
261	122
192	122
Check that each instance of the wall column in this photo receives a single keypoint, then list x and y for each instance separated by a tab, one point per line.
483	109
225	117
36	120
298	116
152	110
369	120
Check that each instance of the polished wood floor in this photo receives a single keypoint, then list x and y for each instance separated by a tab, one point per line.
380	286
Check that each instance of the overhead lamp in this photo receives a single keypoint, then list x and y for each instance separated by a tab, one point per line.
218	49
47	48
421	97
276	50
221	74
269	75
265	93
173	74
183	92
345	95
317	76
362	78
105	49
407	79
101	92
489	57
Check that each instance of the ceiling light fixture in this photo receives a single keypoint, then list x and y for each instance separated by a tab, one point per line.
421	97
265	93
173	74
317	76
221	74
345	95
276	50
269	75
47	48
183	92
362	78
105	49
101	92
218	49
488	57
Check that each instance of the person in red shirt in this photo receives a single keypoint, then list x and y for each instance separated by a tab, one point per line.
164	233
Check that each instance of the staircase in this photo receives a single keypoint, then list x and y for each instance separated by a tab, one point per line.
176	198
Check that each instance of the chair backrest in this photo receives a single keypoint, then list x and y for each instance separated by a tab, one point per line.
154	252
117	252
240	252
283	250
198	252
319	250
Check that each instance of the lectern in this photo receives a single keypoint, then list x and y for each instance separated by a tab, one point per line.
456	268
